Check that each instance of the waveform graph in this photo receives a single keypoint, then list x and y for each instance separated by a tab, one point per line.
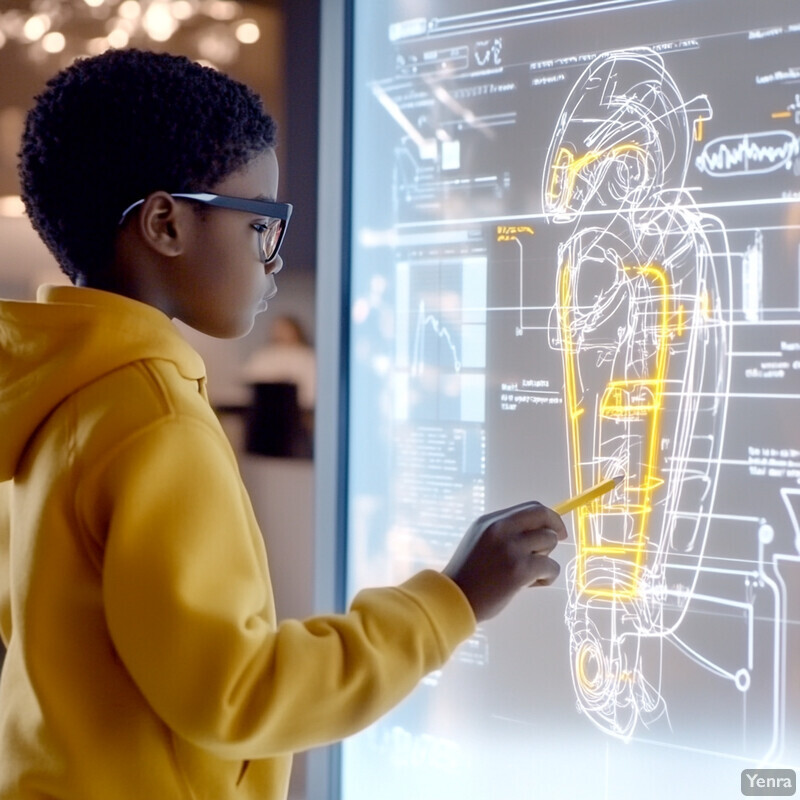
748	154
440	339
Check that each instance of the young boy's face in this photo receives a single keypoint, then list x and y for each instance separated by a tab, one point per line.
228	283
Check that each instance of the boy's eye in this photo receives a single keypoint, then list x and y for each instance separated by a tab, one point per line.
269	237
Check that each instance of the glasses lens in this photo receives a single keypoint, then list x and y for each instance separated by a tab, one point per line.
271	238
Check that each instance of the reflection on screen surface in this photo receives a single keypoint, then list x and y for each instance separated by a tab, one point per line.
576	254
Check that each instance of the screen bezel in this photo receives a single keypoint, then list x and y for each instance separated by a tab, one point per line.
331	423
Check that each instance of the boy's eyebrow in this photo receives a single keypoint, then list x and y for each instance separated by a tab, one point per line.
266	198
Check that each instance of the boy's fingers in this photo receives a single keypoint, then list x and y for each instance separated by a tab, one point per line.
545	570
541	541
531	516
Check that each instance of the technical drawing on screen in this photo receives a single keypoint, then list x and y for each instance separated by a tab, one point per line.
576	254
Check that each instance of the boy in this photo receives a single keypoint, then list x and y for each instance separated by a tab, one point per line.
144	659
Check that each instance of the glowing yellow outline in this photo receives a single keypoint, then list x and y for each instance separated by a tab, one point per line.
572	167
616	404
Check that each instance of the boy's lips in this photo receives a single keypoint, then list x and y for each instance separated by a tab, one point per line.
270	287
265	298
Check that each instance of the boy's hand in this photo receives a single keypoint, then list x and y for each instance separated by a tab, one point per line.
504	551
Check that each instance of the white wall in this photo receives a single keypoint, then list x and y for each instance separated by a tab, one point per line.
25	262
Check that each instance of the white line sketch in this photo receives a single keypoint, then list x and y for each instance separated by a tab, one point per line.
753	279
510	17
791	498
426	321
486	51
644	325
643	321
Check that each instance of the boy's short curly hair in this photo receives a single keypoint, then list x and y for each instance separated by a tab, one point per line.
112	129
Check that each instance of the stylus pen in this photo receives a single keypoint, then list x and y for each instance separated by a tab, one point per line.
583	498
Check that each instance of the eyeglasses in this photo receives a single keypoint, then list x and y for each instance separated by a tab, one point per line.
270	234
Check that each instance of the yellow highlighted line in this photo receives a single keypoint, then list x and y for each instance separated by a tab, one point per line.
624	400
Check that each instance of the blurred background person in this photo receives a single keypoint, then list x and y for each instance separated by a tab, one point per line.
282	374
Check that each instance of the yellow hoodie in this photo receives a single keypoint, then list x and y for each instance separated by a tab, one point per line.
144	659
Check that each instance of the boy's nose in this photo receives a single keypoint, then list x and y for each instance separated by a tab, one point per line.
275	266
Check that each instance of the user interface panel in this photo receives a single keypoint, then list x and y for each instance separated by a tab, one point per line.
576	254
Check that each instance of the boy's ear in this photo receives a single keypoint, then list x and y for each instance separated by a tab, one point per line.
162	223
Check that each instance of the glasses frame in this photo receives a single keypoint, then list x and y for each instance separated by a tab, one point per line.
266	208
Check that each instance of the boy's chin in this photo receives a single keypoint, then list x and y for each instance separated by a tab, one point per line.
237	331
224	329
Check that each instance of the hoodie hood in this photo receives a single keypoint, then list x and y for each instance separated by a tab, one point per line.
69	338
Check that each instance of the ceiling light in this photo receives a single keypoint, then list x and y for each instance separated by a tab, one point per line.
182	10
12	206
98	45
54	42
247	32
118	38
218	46
158	22
221	9
129	9
36	27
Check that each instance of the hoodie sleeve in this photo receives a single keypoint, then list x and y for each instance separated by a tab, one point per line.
189	609
5	562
